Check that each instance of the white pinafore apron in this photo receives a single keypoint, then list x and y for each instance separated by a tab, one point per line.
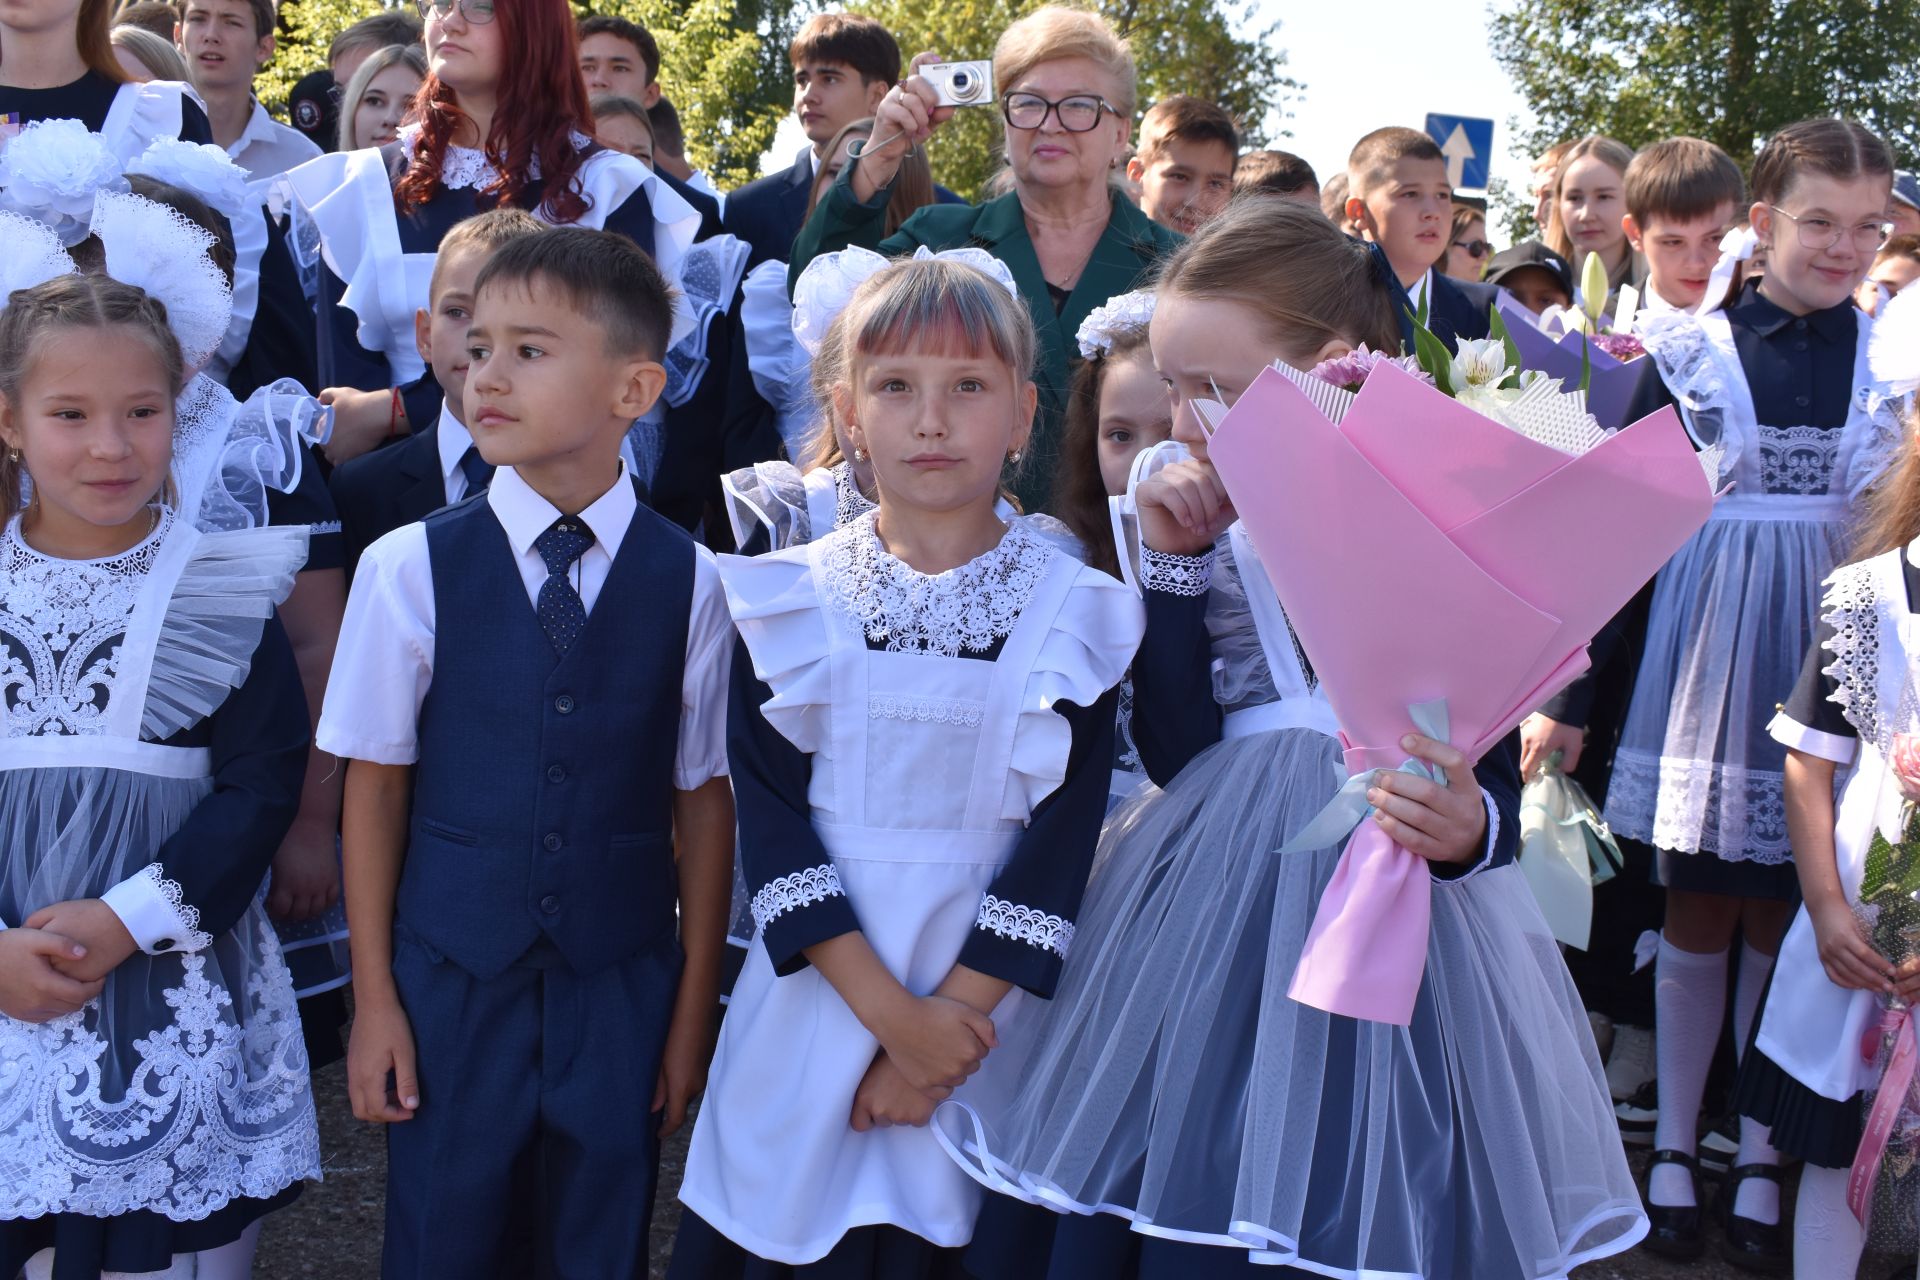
774	1164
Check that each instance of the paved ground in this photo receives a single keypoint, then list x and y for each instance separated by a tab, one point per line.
333	1231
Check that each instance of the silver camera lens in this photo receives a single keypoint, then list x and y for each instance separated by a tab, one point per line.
963	86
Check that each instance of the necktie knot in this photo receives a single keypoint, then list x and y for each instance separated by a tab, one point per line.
564	541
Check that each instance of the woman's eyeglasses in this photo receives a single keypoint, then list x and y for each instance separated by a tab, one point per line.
1077	113
477	12
1473	248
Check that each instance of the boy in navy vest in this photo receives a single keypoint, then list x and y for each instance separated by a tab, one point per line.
530	688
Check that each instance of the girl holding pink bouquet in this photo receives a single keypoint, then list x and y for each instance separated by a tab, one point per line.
1180	1115
1857	703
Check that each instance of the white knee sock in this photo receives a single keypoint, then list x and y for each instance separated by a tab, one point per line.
230	1261
1827	1238
1689	1000
1754	968
39	1266
1758	1198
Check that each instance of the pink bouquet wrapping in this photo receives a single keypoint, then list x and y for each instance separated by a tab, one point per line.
1444	562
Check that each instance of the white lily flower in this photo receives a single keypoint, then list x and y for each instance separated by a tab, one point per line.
1479	362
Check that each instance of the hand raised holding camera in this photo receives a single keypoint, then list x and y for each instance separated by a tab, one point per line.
906	118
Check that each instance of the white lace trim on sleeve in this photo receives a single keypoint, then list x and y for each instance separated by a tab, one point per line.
1175	575
1030	925
153	909
795	890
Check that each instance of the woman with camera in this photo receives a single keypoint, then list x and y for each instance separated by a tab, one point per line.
1065	84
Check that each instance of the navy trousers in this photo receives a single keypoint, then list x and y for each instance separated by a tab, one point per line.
533	1152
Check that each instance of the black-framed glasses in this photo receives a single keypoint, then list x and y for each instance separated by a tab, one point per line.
477	12
1821	234
1077	113
1474	248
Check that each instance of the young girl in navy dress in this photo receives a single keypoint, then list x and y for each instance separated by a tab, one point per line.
1173	1085
1777	382
921	728
1858	694
59	65
153	1085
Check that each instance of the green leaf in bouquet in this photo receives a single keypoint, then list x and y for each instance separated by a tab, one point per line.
1497	328
1434	358
1586	365
1906	869
1874	879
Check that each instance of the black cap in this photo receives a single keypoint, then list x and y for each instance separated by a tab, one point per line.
1529	253
314	109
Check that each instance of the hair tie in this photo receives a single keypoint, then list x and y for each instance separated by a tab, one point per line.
1397	295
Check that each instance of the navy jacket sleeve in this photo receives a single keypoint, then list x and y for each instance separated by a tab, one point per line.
1026	920
1174	715
422	399
258	741
797	899
194	125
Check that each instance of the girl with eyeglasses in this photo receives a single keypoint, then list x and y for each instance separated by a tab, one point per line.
502	118
57	63
1779	381
1468	249
1067	93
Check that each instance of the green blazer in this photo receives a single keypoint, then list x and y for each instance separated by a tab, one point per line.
1124	259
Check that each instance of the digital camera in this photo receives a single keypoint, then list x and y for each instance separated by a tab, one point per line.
960	84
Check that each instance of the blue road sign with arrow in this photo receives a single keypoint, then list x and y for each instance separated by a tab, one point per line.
1467	144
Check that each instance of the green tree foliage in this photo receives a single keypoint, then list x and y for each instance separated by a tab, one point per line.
1731	71
306	28
1181	46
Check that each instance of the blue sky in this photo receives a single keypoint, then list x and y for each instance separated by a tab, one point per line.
1387	62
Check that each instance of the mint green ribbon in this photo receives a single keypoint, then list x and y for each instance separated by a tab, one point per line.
1349	807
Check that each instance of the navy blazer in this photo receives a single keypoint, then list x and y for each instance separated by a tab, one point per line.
768	212
1459	309
379	492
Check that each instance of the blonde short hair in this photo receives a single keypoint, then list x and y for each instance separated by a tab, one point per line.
1055	31
153	53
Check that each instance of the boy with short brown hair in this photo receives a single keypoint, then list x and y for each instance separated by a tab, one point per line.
1399	197
1185	164
1682	196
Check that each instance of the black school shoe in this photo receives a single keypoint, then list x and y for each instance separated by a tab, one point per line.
1752	1245
1675	1230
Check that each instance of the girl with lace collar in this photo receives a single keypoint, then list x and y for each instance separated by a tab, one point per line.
504	119
1856	708
923	724
59	65
153	1083
1778	382
1172	1089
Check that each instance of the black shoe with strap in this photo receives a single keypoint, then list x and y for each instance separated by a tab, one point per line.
1675	1230
1750	1244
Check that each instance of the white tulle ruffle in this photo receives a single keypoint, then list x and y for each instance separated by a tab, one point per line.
770	496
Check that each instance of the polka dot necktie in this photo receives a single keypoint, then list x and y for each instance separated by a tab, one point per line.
561	612
477	471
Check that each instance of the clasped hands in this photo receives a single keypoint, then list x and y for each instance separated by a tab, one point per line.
59	959
928	1048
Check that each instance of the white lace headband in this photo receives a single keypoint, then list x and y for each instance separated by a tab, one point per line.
827	285
58	175
1121	315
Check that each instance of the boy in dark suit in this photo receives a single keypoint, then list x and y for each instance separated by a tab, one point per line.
1399	196
531	691
378	492
621	57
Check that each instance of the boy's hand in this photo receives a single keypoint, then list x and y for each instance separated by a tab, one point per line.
884	1098
1440	824
306	874
361	420
31	988
1540	737
91	923
937	1042
1183	508
683	1067
381	1046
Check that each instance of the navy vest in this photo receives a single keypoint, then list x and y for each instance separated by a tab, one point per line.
543	800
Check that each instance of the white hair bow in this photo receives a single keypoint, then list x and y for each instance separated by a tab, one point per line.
828	283
1736	247
1105	324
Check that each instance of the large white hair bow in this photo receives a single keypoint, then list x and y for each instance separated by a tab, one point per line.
1736	247
157	249
828	283
52	170
203	169
34	254
1893	348
1105	324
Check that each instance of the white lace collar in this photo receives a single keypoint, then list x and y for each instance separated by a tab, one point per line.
967	608
468	167
849	504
